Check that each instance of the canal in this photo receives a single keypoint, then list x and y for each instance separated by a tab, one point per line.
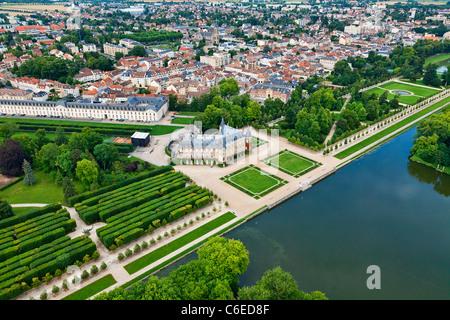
381	209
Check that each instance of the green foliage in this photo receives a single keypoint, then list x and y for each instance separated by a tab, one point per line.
277	284
5	210
431	143
87	172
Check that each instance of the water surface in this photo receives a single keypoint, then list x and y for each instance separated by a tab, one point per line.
381	209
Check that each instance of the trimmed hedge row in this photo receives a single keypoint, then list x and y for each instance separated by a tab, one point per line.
35	232
86	195
10	221
127	191
70	129
154	204
133	223
62	255
111	209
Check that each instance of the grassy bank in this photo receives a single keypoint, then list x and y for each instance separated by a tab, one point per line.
431	165
92	289
436	58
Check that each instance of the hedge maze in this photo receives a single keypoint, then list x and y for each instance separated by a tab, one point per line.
34	245
150	201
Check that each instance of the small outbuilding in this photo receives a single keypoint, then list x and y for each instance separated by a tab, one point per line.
140	139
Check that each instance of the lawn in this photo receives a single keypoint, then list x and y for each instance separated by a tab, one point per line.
254	181
159	253
181	120
155	130
92	289
436	58
158	130
43	191
189	113
351	150
416	90
291	163
402	99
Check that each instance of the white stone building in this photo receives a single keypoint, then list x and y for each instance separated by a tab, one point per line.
135	108
221	147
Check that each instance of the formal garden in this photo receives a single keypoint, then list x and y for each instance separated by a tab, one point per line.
254	181
35	246
405	93
138	207
291	163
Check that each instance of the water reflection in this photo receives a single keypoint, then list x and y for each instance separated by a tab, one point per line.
439	180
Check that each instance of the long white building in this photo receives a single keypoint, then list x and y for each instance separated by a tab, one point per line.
135	108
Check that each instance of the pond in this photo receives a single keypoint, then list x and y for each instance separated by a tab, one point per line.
401	92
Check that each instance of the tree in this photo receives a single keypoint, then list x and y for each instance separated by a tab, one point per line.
8	128
275	284
90	138
29	178
28	144
219	250
106	154
60	138
11	158
41	137
430	76
228	87
47	156
5	209
138	51
87	172
118	55
68	188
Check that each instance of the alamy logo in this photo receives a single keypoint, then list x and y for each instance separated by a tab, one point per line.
374	280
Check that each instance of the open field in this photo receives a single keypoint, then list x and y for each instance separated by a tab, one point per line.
424	2
44	190
254	181
35	7
291	163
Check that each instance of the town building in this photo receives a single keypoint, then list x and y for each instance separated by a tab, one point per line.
111	49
